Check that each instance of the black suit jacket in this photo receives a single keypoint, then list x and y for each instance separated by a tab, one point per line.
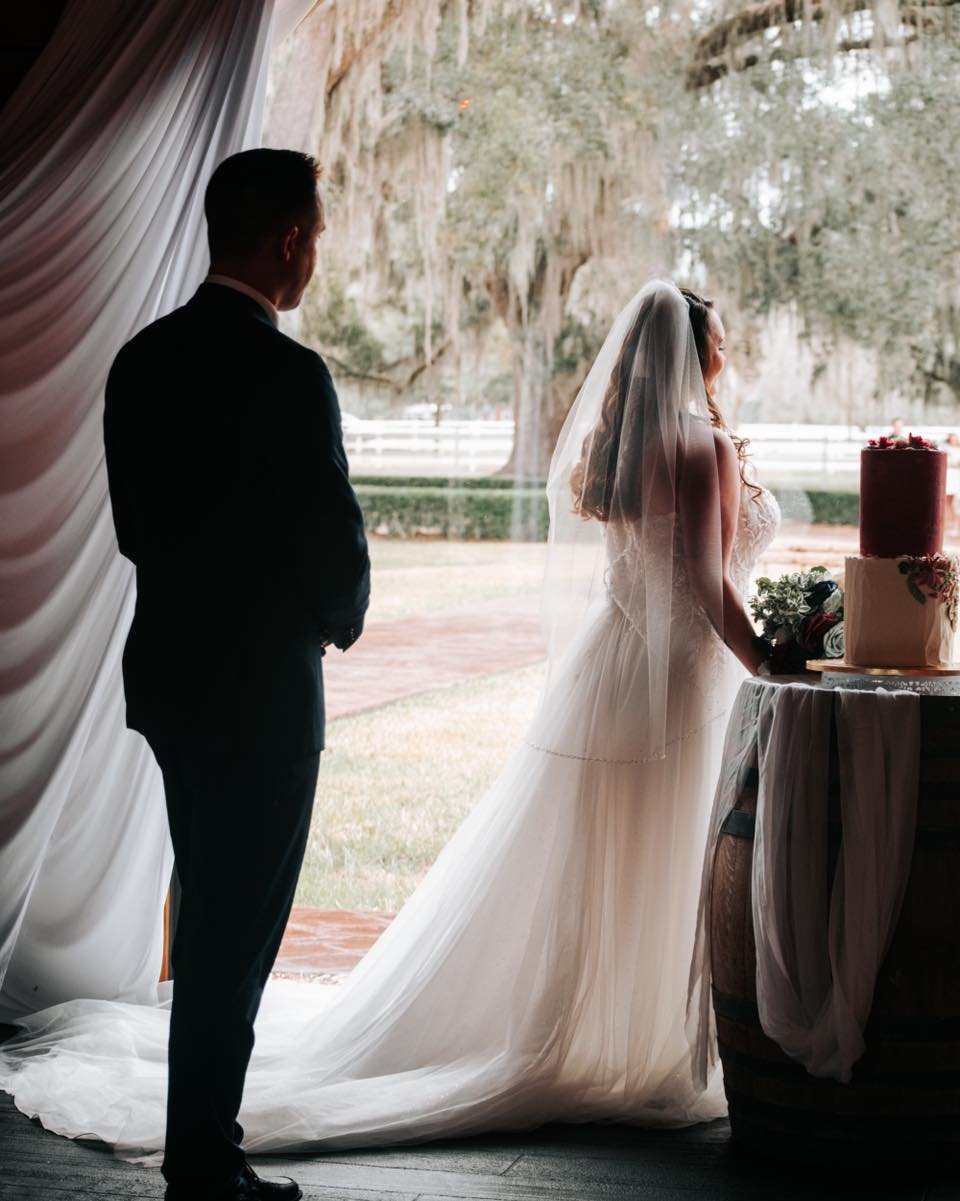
230	493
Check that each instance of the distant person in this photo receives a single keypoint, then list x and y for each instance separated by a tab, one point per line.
952	448
896	428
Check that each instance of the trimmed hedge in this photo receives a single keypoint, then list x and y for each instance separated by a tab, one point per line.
470	483
496	509
835	508
490	514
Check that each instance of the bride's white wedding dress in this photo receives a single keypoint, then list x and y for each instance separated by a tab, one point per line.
539	972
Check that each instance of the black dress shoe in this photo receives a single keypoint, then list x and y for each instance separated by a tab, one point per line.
268	1190
247	1186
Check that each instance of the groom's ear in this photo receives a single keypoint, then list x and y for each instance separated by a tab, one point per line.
288	243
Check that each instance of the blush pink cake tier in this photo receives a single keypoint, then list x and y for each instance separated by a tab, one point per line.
900	592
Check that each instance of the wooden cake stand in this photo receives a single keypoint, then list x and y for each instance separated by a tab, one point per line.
844	668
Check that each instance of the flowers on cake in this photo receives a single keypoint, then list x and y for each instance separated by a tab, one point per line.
933	577
911	442
799	612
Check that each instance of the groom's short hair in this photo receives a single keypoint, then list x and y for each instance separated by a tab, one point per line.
256	193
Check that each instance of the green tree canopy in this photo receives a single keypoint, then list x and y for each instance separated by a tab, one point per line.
502	176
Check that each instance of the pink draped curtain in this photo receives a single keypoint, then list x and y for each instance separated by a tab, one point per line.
106	148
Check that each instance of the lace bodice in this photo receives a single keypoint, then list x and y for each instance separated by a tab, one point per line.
756	528
758	523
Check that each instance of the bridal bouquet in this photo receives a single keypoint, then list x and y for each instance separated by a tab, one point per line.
802	614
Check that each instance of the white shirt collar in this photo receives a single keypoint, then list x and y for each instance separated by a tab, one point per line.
239	286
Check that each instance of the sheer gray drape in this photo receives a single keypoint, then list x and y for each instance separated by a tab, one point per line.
107	146
819	945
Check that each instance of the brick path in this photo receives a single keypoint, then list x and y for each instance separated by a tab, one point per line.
397	659
327	942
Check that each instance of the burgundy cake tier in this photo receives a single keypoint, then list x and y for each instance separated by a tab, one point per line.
901	501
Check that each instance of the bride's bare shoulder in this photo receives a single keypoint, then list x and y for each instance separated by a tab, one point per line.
726	452
723	443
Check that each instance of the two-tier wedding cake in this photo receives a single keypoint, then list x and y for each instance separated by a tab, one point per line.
900	592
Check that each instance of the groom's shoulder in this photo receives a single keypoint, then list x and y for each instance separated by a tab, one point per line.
148	343
178	336
186	324
305	369
301	357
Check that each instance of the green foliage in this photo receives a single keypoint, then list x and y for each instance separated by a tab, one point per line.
534	94
834	508
486	185
495	508
576	344
332	320
815	178
780	605
831	186
489	514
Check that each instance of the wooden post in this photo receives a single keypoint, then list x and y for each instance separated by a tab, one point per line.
165	961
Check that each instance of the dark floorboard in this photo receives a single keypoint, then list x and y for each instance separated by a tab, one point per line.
570	1163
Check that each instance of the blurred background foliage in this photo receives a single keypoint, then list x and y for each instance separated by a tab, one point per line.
502	176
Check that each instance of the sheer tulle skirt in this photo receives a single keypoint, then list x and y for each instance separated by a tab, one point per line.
539	972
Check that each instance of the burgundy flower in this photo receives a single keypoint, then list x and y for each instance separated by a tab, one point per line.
810	635
911	442
788	659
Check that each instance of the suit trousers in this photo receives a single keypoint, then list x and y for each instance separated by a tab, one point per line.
239	820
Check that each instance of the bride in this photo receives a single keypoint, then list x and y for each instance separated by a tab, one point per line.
540	971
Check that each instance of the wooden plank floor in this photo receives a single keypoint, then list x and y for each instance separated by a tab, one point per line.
569	1163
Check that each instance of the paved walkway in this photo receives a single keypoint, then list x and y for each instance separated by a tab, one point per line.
327	942
398	659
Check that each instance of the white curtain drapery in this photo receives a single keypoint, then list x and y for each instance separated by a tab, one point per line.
107	147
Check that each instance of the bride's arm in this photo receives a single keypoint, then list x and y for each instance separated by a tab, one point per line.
710	497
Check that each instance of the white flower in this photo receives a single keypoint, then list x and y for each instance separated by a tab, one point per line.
833	641
833	602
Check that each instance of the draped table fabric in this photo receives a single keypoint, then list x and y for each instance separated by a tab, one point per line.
106	150
820	943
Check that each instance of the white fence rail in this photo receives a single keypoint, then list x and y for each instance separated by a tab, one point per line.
422	448
782	453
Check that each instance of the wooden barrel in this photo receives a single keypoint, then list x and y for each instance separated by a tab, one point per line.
903	1103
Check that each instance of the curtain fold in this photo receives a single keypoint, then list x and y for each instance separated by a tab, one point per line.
821	945
820	942
107	146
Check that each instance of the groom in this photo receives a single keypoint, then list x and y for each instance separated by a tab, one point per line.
229	487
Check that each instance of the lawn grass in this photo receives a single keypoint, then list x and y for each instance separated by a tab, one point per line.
396	782
414	577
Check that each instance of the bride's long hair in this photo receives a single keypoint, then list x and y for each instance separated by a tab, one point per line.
699	308
597	480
